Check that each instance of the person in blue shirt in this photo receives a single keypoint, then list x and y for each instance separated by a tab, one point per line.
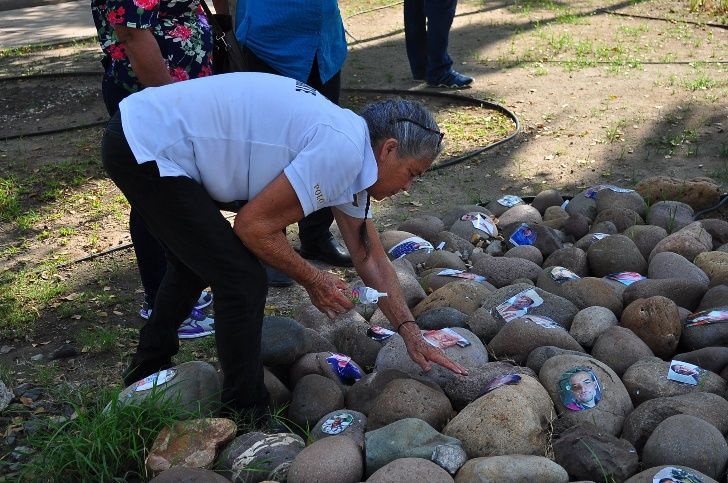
426	30
303	40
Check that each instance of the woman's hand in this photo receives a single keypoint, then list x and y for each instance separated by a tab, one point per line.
326	291
423	353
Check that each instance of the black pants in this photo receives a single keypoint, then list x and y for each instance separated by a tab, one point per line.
315	226
201	249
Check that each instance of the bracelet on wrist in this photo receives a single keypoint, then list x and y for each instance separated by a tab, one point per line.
405	322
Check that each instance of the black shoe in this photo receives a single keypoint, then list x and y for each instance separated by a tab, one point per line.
452	80
276	278
327	250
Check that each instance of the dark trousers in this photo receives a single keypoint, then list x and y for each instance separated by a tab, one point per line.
315	226
149	252
427	28
201	249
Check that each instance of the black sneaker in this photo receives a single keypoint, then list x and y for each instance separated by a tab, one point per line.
452	80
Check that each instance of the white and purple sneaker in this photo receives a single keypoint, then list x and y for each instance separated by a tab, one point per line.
205	299
196	325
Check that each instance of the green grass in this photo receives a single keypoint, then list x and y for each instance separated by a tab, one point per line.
98	444
701	82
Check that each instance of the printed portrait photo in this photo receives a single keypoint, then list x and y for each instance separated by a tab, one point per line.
684	372
519	304
579	389
675	475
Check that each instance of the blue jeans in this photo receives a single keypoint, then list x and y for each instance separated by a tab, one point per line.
426	29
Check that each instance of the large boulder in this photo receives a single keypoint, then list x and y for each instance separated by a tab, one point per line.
685	293
696	337
718	229
353	340
715	266
455	244
484	324
699	193
554	307
641	422
342	422
606	456
677	471
406	438
670	215
619	348
656	321
645	237
520	213
282	341
547	239
689	441
442	317
361	396
511	469
622	218
520	336
714	298
538	357
583	203
464	390
491	425
546	198
647	379
502	271
337	459
573	258
615	253
194	386
527	252
407	398
411	288
631	200
688	242
584	292
579	398
591	322
673	265
444	259
714	359
313	397
464	295
410	469
256	457
424	226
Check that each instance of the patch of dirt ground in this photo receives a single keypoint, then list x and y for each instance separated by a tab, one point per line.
602	97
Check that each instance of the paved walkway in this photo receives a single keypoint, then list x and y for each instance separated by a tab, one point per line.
46	24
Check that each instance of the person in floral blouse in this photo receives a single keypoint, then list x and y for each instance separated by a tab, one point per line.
152	43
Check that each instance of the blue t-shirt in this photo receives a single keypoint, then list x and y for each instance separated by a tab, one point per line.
288	34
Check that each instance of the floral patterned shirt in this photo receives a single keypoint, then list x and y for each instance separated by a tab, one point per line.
179	26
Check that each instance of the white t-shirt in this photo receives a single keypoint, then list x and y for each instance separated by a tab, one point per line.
235	133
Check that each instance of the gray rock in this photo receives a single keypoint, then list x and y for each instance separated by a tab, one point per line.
718	229
670	215
701	336
608	199
715	297
688	441
442	317
63	352
588	454
584	292
6	395
407	398
195	388
361	396
615	253
454	243
641	422
315	363
656	321
495	248
519	337
608	414
431	281
715	266
590	323
540	355
553	213
484	325
337	459
619	348
424	226
520	214
182	474
411	288
279	393
547	241
390	238
394	356
410	469
647	379
313	397
256	457
464	295
554	307
444	259
355	430
585	205
688	242
685	293
406	438
449	458
527	252
282	341
713	359
576	226
511	469
454	214
490	425
573	258
502	271
464	390
723	248
645	237
596	233
647	475
604	227
622	218
673	265
498	209
352	340
307	315
547	198
466	230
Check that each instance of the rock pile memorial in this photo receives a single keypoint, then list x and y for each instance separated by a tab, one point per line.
595	332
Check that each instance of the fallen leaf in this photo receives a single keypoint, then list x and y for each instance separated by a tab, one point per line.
25	401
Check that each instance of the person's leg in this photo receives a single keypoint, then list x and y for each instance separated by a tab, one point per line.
172	207
440	14
415	37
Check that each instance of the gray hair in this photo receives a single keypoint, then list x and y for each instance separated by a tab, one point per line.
409	122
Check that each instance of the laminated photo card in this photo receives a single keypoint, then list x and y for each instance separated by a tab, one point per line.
451	272
444	338
684	372
518	305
